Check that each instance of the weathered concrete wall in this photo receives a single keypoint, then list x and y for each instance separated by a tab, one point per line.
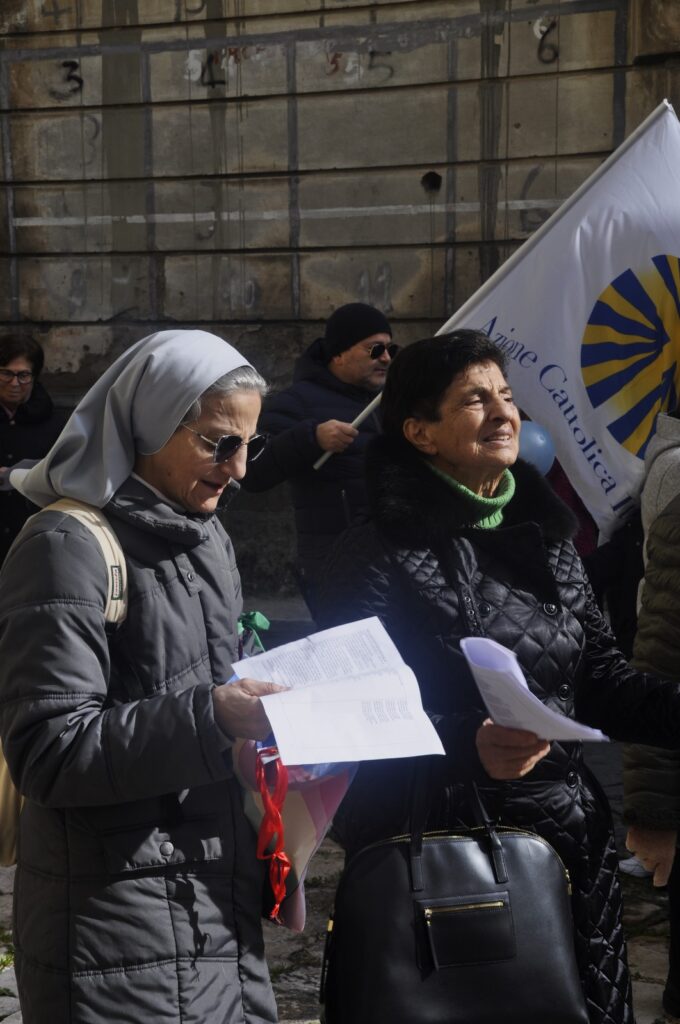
248	165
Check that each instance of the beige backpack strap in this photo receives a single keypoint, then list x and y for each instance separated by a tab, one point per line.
95	520
11	802
10	808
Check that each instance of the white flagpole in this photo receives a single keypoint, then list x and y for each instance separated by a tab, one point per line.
373	404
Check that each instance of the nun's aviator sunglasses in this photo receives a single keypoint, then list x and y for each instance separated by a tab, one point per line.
225	447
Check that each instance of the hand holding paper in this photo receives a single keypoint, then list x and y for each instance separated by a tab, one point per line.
509	700
239	710
508	753
351	697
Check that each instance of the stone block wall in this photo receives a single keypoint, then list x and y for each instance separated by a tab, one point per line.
248	165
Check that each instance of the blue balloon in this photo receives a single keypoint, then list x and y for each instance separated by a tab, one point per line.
536	446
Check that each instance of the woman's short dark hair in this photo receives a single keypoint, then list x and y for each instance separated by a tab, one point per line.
421	373
15	347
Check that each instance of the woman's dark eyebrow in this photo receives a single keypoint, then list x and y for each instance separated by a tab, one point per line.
481	390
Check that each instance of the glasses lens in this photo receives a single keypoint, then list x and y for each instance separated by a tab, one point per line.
256	446
377	350
24	376
227	446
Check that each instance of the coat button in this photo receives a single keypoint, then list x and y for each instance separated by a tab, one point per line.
484	608
549	608
564	691
572	779
167	849
190	577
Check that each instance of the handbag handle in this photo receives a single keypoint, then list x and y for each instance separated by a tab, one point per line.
495	846
420	803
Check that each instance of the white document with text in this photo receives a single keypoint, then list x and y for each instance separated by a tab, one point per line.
350	697
509	700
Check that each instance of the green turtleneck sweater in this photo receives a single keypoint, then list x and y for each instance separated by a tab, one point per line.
484	512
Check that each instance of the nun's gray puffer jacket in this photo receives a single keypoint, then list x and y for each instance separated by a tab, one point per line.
138	892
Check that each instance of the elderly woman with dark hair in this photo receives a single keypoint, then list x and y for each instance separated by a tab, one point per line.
138	889
464	539
29	425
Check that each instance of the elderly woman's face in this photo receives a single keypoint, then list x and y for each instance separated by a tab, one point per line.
477	434
184	469
14	392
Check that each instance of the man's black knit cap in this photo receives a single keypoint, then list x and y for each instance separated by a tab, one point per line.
350	324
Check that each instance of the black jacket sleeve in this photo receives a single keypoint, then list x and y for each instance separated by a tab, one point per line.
292	447
628	705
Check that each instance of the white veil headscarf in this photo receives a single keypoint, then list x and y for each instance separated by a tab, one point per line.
134	407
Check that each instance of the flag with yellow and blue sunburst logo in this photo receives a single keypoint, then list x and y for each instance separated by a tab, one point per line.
630	349
587	313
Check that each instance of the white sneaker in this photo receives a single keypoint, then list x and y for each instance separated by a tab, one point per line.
632	866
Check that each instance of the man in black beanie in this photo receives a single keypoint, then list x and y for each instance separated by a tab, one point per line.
333	381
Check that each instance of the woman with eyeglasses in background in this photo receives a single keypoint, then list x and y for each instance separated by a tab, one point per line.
138	888
29	425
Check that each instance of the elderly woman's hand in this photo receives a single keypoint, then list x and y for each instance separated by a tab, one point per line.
239	710
508	753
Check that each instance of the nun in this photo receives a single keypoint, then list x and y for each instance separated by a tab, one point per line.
138	890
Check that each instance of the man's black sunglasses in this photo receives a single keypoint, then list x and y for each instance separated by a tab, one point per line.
225	447
375	351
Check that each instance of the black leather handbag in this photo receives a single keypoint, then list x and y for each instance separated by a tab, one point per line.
466	927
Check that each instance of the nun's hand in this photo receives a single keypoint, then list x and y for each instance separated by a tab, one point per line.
239	710
508	753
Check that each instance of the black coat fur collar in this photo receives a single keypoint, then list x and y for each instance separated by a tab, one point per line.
410	504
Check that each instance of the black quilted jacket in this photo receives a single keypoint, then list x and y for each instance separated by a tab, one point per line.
432	579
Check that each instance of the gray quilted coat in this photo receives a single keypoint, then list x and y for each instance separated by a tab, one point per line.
138	893
433	579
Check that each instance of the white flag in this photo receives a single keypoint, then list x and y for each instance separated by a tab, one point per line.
588	314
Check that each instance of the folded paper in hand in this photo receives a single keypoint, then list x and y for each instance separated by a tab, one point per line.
509	700
350	697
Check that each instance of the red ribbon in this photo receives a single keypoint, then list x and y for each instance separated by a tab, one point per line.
272	824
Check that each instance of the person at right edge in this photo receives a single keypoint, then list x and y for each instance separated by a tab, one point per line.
466	539
651	775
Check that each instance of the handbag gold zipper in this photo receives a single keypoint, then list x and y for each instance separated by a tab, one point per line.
488	905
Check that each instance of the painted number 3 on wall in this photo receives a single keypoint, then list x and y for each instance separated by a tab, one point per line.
72	82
